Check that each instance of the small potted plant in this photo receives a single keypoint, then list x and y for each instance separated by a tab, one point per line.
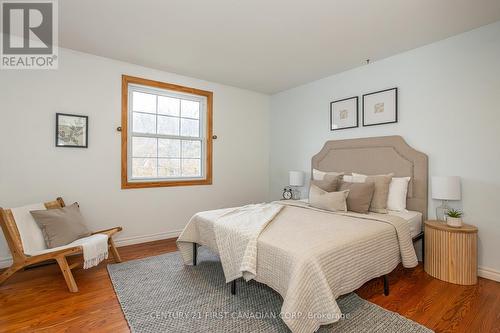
454	218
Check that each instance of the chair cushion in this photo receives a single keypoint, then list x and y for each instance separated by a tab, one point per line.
61	226
29	231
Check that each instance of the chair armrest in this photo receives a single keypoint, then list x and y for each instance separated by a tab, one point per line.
68	251
108	232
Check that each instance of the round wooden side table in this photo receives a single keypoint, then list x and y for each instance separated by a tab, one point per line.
451	253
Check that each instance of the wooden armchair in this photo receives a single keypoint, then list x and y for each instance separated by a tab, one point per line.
21	259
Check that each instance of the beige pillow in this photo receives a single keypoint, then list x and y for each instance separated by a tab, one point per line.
381	192
360	196
329	182
333	201
61	226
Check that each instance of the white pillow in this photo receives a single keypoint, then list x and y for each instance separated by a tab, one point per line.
398	190
355	178
319	175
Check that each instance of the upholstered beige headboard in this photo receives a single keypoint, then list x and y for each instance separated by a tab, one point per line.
379	155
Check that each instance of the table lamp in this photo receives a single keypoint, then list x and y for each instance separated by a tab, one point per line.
445	188
296	179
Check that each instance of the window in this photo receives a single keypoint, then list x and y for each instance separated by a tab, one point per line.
166	134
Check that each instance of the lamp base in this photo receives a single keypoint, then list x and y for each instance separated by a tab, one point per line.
295	193
441	211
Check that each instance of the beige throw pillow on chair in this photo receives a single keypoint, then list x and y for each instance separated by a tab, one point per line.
61	226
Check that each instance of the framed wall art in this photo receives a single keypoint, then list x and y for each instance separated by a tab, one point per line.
71	130
344	113
380	107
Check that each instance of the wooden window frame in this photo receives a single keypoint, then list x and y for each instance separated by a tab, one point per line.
126	184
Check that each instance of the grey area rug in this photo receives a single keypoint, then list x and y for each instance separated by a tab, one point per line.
161	294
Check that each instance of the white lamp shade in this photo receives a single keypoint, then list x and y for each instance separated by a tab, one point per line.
296	178
446	188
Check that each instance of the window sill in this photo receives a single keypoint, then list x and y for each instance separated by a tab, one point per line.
135	184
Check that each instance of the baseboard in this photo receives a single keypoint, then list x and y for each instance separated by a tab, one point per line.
489	273
7	261
146	238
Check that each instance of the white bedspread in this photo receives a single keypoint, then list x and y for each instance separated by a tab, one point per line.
309	256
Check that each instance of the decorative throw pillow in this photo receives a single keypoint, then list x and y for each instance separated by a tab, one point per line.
319	175
329	183
381	192
360	196
398	190
333	201
61	226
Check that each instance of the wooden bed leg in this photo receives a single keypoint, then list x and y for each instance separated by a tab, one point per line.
68	276
195	253
386	285
233	287
114	251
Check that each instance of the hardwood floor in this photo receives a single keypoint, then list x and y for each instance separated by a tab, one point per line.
38	300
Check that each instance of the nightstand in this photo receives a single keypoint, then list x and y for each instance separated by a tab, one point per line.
451	253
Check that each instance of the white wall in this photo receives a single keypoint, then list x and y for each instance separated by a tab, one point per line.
32	169
449	108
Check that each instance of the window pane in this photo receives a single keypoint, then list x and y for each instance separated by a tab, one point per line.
191	167
144	167
190	109
169	148
143	147
169	167
190	127
169	106
143	102
168	125
191	149
144	123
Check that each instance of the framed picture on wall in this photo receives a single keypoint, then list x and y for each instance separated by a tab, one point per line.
380	107
344	114
71	130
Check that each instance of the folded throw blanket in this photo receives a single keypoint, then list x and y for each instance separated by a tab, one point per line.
95	249
236	233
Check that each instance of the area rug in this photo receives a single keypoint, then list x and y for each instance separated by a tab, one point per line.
161	294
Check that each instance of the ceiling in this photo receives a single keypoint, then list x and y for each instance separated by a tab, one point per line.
262	45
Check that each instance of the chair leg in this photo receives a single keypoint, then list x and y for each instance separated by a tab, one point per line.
68	276
114	251
8	273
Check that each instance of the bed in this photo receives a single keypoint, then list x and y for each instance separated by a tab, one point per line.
310	256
